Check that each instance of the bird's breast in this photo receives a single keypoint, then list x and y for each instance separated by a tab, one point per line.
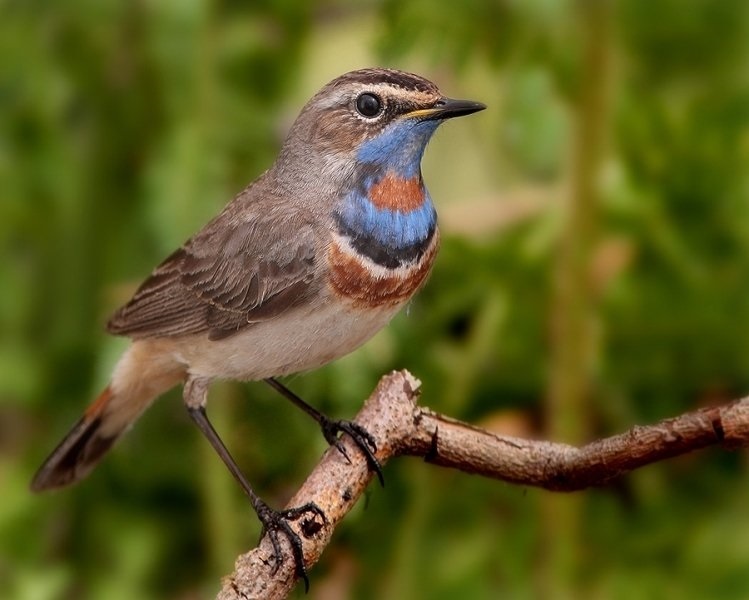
385	240
364	284
388	218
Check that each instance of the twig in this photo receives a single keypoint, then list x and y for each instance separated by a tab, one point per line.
403	428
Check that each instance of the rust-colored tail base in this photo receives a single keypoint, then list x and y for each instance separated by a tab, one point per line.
79	452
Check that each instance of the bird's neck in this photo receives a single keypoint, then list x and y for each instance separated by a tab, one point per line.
388	215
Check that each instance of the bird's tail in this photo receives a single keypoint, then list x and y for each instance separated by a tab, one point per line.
134	386
80	450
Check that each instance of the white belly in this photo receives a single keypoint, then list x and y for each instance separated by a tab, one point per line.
291	343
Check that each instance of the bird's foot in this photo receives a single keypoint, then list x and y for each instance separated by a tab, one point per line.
362	438
276	523
331	429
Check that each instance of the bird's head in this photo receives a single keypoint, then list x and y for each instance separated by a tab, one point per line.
379	118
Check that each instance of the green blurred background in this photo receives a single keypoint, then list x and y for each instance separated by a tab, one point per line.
594	275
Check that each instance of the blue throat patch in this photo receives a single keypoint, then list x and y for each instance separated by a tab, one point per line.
389	237
399	147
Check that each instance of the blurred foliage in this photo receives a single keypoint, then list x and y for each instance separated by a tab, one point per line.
125	125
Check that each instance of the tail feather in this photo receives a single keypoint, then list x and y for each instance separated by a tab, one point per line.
80	451
146	370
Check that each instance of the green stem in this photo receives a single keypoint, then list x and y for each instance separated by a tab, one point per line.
574	344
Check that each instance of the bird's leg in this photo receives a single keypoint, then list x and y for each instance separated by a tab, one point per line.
331	429
274	522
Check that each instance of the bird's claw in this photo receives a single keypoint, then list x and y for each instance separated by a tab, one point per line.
362	438
276	522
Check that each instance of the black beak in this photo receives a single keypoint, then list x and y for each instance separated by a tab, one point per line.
447	108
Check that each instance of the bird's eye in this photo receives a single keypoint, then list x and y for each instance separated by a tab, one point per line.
368	105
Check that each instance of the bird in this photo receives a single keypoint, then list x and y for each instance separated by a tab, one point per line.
300	268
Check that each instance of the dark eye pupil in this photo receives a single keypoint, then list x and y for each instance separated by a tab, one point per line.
368	105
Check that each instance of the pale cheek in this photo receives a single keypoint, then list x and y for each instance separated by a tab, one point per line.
339	167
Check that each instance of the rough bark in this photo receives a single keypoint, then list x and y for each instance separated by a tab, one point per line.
401	428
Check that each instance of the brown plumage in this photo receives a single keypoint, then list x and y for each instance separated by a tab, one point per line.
233	273
300	268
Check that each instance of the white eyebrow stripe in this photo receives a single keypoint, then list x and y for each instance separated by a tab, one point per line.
343	95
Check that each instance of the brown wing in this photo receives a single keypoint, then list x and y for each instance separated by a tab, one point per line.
240	269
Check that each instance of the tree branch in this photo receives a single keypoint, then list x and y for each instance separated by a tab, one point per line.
403	428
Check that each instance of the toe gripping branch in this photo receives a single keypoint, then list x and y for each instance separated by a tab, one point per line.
277	521
331	429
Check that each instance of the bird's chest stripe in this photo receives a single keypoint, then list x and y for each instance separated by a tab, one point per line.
390	220
369	285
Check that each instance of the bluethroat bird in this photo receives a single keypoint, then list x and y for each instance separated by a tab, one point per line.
303	266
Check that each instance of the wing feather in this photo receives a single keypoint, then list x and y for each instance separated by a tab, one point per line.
240	269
